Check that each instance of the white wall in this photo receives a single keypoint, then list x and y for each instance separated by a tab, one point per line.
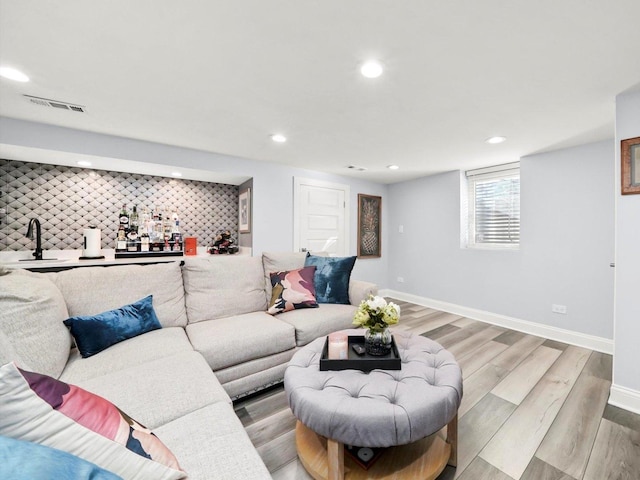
566	246
272	226
626	371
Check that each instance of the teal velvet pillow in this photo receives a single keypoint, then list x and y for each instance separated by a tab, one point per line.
94	333
20	460
332	278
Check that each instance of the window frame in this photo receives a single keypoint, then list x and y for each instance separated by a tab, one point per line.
473	177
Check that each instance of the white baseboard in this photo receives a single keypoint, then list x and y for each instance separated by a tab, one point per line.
591	342
625	398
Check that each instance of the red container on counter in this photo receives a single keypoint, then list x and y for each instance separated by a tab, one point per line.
190	246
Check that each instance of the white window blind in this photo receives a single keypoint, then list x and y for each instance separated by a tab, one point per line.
494	206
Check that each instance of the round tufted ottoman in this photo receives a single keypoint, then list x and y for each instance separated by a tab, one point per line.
405	409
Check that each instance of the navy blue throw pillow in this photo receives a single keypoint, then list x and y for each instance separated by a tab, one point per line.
332	278
94	333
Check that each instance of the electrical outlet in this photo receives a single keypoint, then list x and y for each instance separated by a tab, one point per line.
400	280
559	309
400	228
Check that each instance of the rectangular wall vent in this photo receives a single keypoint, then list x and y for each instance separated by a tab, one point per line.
45	102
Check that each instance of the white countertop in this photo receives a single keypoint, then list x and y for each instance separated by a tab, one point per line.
71	258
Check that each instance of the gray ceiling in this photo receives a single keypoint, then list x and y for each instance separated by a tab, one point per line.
222	76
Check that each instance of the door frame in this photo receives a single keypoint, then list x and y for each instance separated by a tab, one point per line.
297	183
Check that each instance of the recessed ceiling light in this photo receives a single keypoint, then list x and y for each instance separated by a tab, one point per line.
371	69
13	74
278	138
495	140
176	174
84	163
393	167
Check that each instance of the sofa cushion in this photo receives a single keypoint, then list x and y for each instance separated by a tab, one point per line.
232	340
28	460
131	352
332	278
31	317
9	354
92	290
280	262
311	324
94	333
360	290
223	285
41	409
255	375
229	454
292	289
180	383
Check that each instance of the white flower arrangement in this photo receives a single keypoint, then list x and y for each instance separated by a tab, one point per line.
376	314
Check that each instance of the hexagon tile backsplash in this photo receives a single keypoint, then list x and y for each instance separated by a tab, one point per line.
68	200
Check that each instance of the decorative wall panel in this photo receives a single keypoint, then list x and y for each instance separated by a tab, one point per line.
67	199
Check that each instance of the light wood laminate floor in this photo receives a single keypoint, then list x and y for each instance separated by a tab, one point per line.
533	409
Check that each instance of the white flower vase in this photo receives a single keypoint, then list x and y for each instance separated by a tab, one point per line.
377	343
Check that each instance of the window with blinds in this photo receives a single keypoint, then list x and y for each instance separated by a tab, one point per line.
494	206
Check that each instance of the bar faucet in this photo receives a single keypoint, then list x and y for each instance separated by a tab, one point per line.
38	251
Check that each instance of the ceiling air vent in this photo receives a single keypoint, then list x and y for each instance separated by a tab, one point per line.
45	102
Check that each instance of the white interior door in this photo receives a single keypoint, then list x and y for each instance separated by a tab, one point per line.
321	218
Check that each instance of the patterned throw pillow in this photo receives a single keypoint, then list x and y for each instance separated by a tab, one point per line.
332	278
94	333
292	290
40	409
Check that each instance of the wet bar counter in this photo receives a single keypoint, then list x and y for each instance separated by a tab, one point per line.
56	260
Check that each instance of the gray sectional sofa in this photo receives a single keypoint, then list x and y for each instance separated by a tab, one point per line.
216	344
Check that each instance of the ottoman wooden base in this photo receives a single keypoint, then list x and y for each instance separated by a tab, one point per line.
424	459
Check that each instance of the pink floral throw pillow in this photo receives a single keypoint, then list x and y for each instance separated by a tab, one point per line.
50	412
292	290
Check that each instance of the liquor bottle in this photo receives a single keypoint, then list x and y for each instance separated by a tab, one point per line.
166	224
158	230
143	222
144	242
156	242
121	241
176	236
132	232
155	228
132	243
124	218
133	220
148	221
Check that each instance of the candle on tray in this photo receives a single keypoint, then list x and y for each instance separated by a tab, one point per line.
338	346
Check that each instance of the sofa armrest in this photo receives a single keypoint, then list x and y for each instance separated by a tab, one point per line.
360	290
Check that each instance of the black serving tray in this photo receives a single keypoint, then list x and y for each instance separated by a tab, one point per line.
364	362
161	253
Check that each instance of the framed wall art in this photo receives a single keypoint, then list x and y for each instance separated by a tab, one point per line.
244	211
630	153
369	228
